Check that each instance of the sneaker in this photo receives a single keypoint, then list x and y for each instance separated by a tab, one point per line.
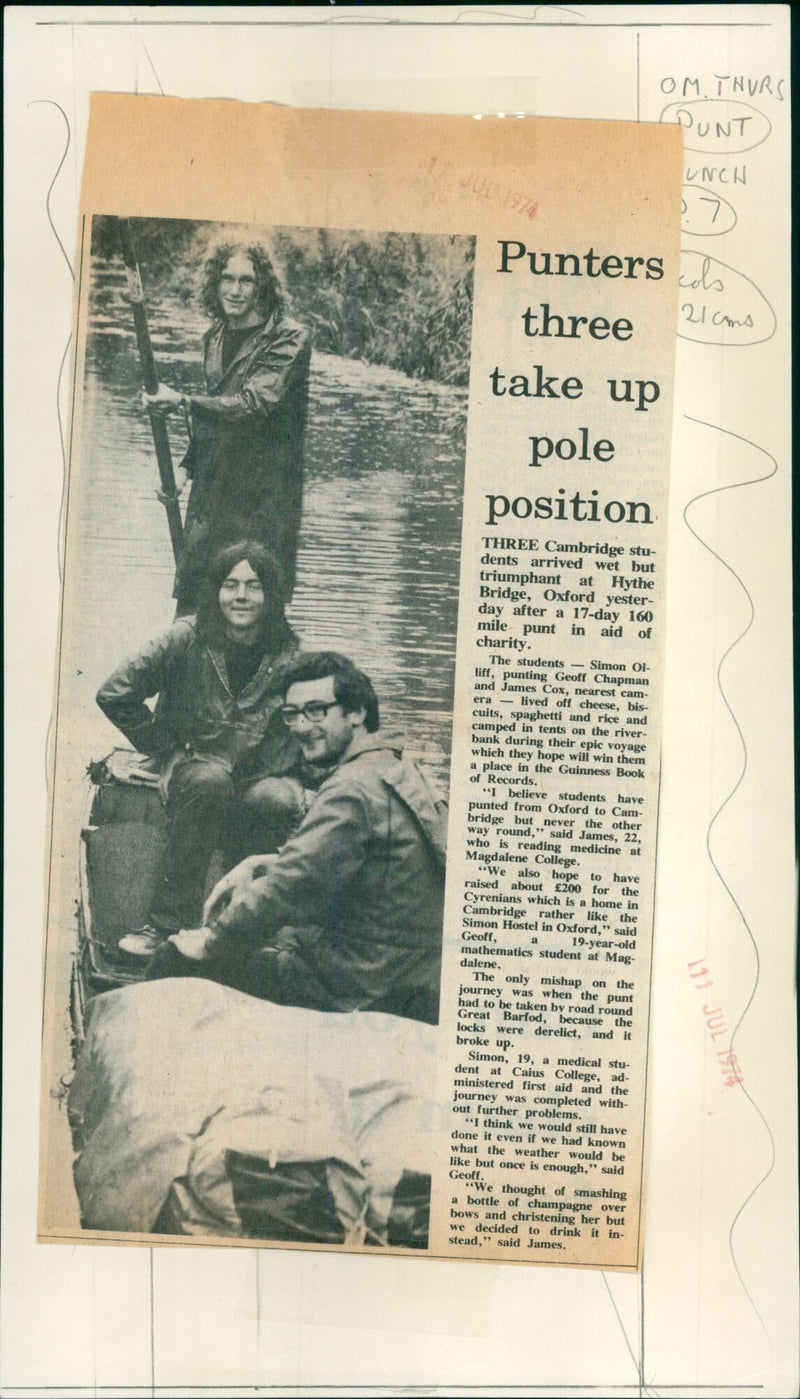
194	943
143	943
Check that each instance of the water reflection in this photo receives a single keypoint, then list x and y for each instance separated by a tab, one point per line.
379	547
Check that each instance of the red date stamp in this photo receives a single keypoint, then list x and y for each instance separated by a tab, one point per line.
482	187
716	1025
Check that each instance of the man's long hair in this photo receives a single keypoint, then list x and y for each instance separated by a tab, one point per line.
270	294
351	687
275	632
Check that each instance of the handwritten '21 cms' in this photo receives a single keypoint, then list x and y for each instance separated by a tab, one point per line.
720	306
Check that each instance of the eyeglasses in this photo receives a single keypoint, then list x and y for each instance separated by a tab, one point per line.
314	712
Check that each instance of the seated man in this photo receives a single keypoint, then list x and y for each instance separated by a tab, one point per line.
348	915
216	732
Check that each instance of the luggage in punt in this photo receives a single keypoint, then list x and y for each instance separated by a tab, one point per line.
198	1110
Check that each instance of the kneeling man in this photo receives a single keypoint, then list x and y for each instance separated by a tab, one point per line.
348	914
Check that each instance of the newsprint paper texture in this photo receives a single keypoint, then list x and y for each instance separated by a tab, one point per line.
481	440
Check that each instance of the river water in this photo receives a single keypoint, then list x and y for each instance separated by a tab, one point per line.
377	574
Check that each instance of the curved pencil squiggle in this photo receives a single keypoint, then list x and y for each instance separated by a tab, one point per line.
718	490
49	102
531	19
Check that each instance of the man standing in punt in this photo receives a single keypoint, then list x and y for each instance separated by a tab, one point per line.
245	456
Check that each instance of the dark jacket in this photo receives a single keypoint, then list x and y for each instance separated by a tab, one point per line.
245	456
367	868
196	710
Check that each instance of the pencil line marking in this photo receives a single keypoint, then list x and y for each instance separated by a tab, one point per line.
718	490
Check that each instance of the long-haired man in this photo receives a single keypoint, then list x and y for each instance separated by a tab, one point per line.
247	430
215	732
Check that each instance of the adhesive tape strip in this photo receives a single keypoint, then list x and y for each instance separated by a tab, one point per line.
478	97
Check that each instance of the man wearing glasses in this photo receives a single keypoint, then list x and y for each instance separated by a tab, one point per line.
348	914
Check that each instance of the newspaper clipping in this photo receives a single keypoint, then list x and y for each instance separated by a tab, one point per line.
355	758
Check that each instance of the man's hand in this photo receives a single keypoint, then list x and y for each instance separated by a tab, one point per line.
164	400
195	943
235	881
181	476
166	772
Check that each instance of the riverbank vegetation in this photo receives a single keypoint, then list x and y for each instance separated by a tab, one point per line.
403	300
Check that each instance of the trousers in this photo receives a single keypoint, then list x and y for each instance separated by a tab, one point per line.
208	811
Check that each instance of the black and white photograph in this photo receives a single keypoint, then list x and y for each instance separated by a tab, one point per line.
252	739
